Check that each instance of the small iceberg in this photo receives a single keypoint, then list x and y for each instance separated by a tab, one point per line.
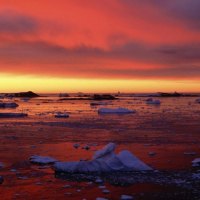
153	101
196	162
42	160
13	115
197	100
115	111
104	161
61	115
8	105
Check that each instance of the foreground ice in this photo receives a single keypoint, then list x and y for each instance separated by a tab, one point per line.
12	115
115	111
153	101
196	162
42	160
104	160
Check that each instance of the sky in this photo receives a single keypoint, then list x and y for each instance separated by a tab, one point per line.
100	46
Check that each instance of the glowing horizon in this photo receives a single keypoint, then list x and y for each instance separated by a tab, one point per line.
97	46
57	85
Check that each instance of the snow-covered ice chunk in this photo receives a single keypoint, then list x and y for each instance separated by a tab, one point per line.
196	176
126	197
153	101
61	115
106	150
76	146
196	162
42	160
104	160
115	111
131	162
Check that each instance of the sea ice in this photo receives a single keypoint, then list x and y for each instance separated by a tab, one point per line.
42	160
126	197
8	105
153	101
61	115
197	100
196	162
104	160
12	115
115	111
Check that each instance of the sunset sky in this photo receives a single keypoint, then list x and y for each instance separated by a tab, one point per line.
100	45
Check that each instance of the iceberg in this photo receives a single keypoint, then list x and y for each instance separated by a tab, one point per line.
104	161
153	101
115	111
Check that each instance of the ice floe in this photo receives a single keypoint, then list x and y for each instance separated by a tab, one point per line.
42	160
126	197
12	115
152	101
115	111
104	160
197	100
196	162
8	105
61	115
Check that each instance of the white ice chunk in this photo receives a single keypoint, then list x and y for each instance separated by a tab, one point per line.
107	150
104	160
61	115
43	160
131	162
196	162
115	111
126	197
153	101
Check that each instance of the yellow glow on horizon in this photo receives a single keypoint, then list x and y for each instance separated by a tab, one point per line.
15	83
